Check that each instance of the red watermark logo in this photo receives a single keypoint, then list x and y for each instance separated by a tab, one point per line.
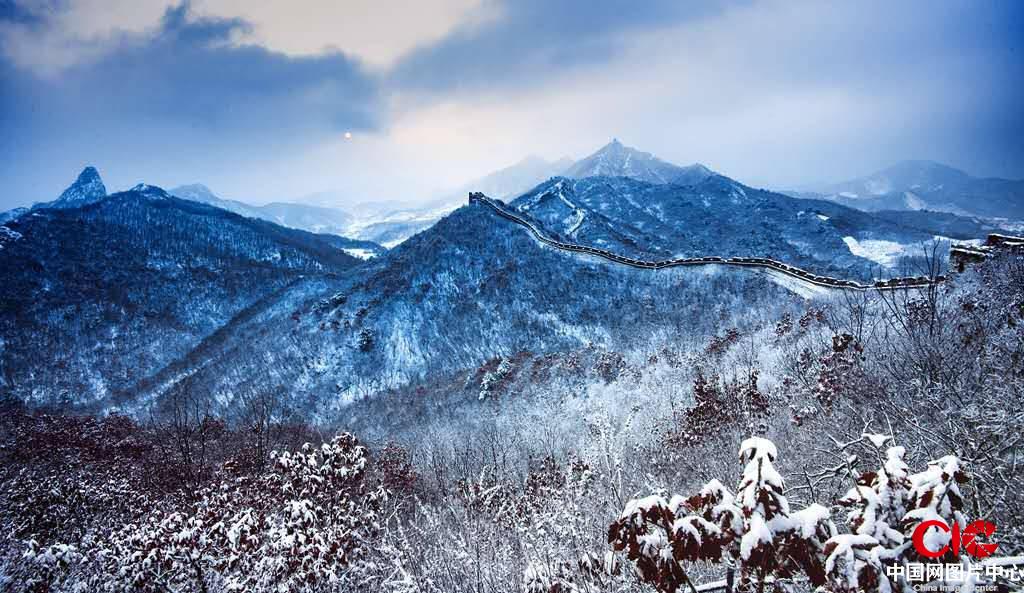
961	540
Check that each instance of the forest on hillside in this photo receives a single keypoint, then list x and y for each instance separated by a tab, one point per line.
794	453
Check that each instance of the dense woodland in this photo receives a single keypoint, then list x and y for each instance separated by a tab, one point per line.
787	454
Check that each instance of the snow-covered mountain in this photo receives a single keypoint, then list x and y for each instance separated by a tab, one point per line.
924	176
392	226
926	185
88	188
475	286
720	216
617	160
111	290
472	287
389	225
12	214
143	294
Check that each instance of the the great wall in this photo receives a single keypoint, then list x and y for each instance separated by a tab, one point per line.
960	256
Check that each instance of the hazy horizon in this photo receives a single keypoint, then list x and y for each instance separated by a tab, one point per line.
328	197
404	102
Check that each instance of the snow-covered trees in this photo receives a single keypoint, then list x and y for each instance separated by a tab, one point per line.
878	504
754	529
365	340
886	507
314	518
319	525
517	493
718	406
758	533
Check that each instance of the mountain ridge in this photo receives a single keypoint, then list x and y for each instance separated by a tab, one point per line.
716	217
928	185
766	263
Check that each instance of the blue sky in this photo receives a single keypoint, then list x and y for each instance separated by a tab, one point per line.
255	98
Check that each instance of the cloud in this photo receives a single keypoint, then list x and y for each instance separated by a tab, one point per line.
529	41
190	74
182	93
377	31
773	93
237	94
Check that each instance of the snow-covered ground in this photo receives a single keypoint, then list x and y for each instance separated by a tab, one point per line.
883	252
914	202
797	286
975	242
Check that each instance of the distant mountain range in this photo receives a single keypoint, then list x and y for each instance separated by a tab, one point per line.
315	219
381	223
906	187
389	227
141	294
926	185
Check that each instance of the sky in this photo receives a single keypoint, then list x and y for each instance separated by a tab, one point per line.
391	100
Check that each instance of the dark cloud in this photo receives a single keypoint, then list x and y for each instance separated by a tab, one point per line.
533	40
189	74
12	11
182	93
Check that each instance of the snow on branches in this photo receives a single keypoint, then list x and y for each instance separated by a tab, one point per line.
754	529
757	531
312	520
886	505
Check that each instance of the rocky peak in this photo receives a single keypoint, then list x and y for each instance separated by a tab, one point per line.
88	188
